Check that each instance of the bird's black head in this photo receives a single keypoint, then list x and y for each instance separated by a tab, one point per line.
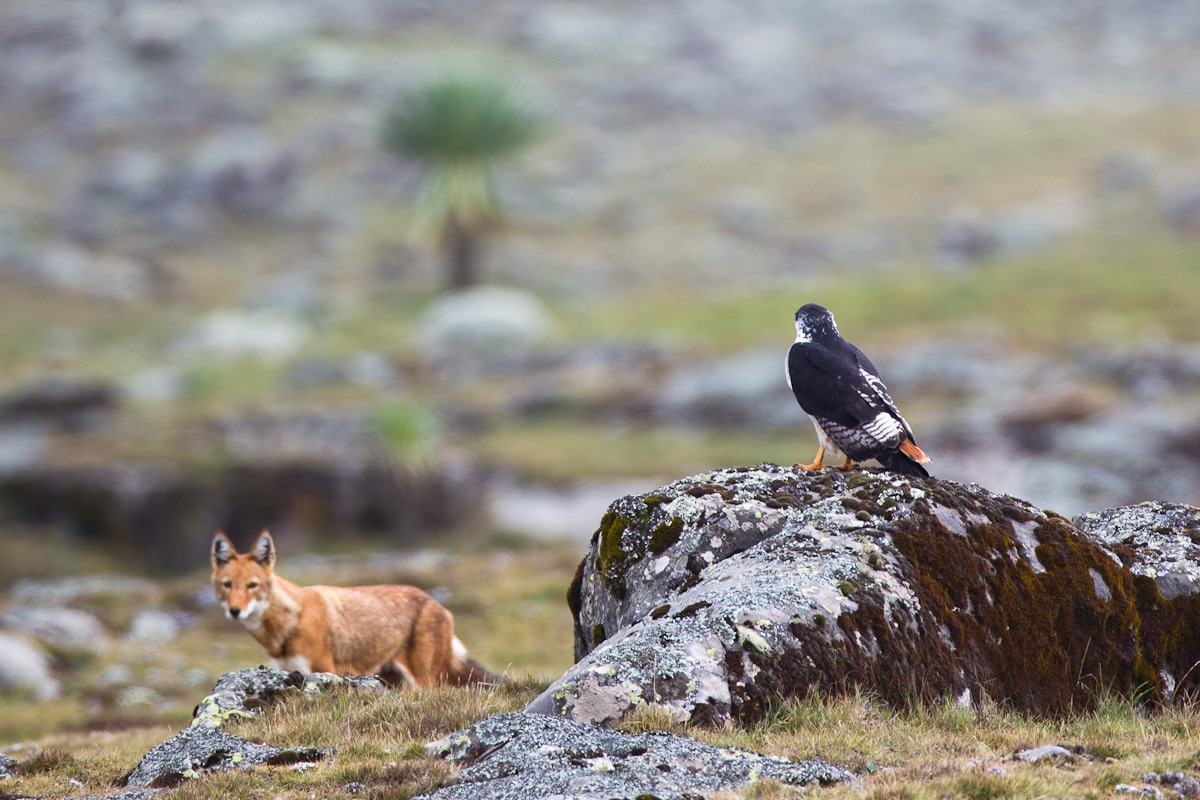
814	323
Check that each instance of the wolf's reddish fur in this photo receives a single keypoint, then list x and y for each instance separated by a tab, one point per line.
399	632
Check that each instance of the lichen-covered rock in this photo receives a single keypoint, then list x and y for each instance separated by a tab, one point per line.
200	748
720	593
203	746
522	755
242	692
1159	541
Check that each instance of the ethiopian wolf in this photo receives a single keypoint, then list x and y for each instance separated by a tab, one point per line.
397	632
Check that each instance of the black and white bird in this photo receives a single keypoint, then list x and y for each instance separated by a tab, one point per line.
842	393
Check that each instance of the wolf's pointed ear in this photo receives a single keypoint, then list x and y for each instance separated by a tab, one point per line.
222	549
264	549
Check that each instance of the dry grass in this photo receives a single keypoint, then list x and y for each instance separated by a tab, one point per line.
80	763
936	752
509	606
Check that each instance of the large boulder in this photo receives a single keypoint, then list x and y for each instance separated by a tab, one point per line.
718	594
533	755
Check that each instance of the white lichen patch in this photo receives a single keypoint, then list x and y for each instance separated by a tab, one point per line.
1023	533
951	519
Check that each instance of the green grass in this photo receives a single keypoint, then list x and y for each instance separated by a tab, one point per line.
561	449
1090	291
1095	290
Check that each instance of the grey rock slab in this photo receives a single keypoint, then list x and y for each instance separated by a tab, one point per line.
63	627
521	755
203	746
242	692
481	330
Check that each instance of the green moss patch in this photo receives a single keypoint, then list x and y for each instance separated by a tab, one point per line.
665	535
611	554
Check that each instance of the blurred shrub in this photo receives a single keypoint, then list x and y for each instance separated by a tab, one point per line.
409	431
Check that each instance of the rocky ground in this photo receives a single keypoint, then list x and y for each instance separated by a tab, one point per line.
726	603
211	314
149	146
138	134
1094	427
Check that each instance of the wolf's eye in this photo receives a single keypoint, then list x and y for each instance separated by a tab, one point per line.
252	585
227	584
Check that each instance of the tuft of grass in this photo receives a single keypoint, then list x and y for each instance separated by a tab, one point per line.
770	790
372	723
51	760
77	764
653	718
983	785
379	737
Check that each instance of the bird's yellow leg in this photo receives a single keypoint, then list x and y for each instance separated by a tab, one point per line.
818	462
847	464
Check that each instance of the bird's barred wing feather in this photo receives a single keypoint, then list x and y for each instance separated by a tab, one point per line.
871	376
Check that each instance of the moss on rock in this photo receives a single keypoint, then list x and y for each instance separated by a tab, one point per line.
665	535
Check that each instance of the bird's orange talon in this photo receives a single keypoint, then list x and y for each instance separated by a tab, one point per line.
818	462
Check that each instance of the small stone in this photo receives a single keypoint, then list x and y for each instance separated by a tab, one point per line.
1188	787
1049	751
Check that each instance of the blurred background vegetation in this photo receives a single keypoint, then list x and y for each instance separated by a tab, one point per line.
393	277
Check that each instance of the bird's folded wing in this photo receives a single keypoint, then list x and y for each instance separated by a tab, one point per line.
861	395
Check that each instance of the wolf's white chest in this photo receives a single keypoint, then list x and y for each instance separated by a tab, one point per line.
290	663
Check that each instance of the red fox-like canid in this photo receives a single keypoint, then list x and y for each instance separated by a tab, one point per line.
397	632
